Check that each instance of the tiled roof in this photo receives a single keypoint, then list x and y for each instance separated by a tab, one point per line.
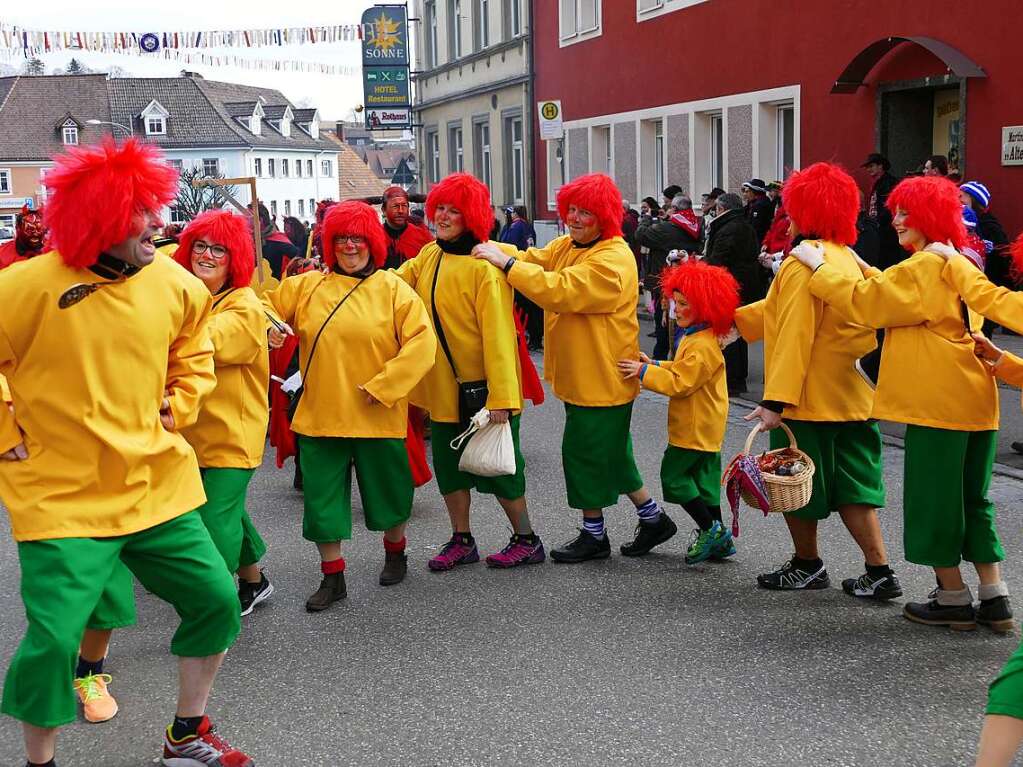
32	106
240	108
355	179
221	94
193	121
304	115
275	111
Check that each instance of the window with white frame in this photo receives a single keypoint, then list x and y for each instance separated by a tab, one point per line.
511	17
456	161
285	167
312	207
298	169
455	48
5	181
210	167
659	155
600	151
717	151
327	168
177	216
7	220
481	25
430	49
69	133
287	207
786	141
156	125
301	208
515	160
271	167
481	145
555	170
649	9
257	167
309	168
178	165
578	20
273	208
433	155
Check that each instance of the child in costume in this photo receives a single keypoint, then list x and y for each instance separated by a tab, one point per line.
229	435
586	282
471	308
364	342
706	298
931	380
102	319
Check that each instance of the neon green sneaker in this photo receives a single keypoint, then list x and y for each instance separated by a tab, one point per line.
706	543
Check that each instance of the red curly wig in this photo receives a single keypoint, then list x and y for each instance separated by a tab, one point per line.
823	201
98	195
1016	256
711	292
596	193
221	227
355	218
932	205
472	198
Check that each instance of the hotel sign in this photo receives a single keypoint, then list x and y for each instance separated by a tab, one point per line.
385	68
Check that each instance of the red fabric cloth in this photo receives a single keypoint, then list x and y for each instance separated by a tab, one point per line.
276	236
688	222
777	239
281	435
532	388
411	241
9	254
415	446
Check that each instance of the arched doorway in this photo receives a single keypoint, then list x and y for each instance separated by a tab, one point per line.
919	117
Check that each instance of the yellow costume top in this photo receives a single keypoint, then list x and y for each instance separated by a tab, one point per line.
380	341
589	297
929	373
87	383
695	381
810	348
474	302
231	429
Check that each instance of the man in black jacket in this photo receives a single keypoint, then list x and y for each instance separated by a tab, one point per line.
679	231
891	252
759	209
733	244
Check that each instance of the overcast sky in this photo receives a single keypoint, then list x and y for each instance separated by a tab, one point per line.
333	95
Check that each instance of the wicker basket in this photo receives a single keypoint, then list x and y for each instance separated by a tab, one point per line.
785	493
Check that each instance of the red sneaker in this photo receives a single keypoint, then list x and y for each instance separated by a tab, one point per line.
204	749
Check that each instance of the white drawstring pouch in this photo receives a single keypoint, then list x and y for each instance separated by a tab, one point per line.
490	451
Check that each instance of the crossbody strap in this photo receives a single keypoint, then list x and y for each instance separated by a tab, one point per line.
319	332
436	318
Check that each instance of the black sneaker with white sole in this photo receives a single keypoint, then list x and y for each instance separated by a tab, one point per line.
789	577
869	587
251	594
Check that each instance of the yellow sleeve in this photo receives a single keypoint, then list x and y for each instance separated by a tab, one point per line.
749	319
238	333
500	350
409	271
282	301
414	359
538	256
1010	368
1002	305
889	299
797	320
590	287
10	434
190	376
684	375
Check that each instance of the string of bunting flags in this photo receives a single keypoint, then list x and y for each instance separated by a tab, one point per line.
31	42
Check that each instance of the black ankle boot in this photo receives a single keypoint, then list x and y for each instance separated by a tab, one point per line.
332	588
395	567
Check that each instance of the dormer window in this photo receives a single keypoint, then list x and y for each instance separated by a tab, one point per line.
256	120
70	133
285	127
314	128
154	119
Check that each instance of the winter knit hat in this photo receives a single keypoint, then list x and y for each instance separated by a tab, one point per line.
977	191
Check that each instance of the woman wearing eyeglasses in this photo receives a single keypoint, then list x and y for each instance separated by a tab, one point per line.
364	342
230	433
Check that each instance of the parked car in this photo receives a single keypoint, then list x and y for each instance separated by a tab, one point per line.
6	233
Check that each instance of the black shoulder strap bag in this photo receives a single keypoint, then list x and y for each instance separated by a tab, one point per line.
297	396
472	395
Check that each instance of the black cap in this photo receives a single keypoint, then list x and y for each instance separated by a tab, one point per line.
715	192
876	159
757	185
672	191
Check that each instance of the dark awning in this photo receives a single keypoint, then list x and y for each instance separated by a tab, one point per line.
855	74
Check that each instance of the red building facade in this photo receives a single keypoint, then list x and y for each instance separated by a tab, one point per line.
704	93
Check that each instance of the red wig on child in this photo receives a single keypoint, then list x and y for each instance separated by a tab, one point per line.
597	194
354	217
933	207
221	227
98	195
711	292
823	201
472	199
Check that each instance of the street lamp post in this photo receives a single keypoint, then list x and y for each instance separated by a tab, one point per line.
125	128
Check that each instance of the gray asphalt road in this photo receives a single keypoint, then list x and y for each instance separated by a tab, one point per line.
624	662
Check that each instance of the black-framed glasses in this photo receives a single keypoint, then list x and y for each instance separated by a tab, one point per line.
355	239
219	252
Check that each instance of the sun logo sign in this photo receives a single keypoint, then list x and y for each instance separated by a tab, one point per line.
385	41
